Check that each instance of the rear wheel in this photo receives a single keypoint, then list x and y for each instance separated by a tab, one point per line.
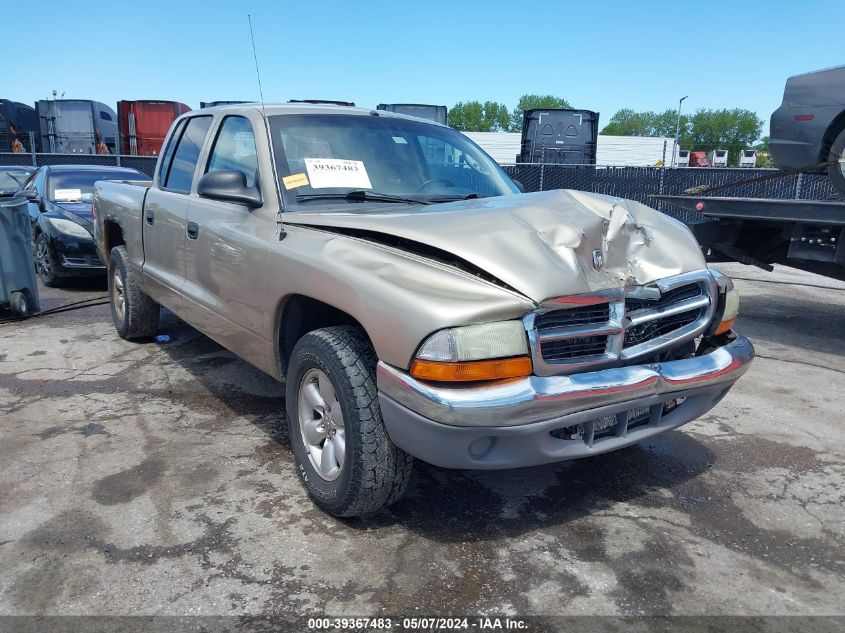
135	315
837	170
344	457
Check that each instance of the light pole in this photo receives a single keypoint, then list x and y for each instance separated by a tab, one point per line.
677	134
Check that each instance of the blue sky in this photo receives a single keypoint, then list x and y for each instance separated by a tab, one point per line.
599	55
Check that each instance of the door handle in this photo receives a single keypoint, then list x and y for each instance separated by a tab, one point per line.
150	216
193	230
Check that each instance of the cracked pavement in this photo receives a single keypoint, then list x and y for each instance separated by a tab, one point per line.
156	478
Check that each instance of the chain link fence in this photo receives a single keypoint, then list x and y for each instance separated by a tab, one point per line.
144	164
640	183
634	183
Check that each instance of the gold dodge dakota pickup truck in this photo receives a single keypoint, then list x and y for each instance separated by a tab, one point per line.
416	303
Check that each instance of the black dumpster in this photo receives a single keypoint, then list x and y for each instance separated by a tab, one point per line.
18	289
559	136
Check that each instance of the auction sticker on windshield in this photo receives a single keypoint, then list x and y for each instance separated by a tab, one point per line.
68	195
294	181
326	173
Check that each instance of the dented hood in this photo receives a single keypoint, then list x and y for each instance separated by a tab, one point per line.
540	244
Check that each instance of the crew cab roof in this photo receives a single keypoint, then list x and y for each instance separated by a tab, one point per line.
274	109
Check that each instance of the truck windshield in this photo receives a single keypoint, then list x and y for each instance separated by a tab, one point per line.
321	158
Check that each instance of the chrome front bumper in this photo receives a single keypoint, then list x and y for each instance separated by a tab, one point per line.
448	426
537	398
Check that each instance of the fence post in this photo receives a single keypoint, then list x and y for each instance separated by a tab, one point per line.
660	181
542	172
798	185
32	148
117	155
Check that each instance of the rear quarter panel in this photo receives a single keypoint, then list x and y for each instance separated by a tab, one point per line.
121	202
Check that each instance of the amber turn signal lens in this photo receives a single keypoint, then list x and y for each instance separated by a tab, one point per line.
472	370
725	326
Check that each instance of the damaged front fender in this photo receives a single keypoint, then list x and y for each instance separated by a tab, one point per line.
398	297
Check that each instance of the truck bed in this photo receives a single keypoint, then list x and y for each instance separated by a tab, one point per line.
120	202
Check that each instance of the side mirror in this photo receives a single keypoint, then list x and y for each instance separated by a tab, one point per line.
519	186
19	193
229	186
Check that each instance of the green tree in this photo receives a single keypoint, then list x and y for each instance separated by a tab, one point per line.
532	102
764	159
731	129
474	116
665	122
627	122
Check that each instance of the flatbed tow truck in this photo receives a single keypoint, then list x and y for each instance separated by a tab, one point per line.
807	135
804	234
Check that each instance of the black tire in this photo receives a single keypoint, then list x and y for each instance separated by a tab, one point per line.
19	303
139	315
374	472
837	170
45	262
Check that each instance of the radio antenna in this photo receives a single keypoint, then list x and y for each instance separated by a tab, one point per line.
255	57
282	233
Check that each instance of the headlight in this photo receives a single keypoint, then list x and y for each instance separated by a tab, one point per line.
69	228
728	304
488	351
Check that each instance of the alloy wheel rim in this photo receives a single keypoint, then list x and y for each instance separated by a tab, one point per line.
321	424
43	259
117	294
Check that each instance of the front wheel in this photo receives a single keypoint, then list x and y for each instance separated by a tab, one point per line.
344	457
837	170
45	262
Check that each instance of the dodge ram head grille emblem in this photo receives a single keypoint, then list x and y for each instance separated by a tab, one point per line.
598	260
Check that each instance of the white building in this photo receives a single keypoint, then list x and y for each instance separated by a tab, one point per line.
641	151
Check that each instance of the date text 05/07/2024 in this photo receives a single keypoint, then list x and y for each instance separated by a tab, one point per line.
481	623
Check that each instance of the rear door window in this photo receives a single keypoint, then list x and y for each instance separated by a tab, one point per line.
234	149
187	153
167	156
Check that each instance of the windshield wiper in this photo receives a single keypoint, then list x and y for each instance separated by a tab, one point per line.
359	195
469	196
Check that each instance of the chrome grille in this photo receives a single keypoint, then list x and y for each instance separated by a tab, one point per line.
575	316
687	291
572	334
573	348
649	330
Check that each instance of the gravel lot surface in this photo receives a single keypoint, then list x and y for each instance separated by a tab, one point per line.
156	479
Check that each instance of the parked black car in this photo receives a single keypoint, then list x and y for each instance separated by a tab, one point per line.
12	178
60	210
809	126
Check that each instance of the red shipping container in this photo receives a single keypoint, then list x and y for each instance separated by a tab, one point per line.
144	124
